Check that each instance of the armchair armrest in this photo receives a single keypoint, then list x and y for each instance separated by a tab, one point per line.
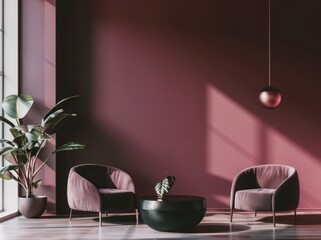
287	194
81	194
244	180
121	180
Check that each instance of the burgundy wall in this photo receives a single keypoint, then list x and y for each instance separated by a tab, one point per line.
171	87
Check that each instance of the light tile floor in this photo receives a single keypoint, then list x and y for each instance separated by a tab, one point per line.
215	225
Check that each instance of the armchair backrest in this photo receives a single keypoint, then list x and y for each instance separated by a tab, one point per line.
96	174
103	176
272	175
284	179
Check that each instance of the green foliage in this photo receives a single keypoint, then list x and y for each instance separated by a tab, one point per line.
163	187
22	152
17	106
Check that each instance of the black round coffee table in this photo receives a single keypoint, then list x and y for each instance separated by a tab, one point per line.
174	213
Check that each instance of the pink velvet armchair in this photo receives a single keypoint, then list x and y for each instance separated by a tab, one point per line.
100	188
270	187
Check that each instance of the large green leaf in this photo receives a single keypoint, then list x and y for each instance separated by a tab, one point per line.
7	121
34	133
163	187
52	115
18	154
70	146
21	140
5	171
61	104
51	124
4	150
17	106
15	132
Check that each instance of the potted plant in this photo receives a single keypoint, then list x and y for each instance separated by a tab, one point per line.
28	140
163	187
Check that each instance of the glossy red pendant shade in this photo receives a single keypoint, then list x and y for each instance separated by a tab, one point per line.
270	97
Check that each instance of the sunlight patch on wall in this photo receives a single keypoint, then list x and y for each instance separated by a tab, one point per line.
236	139
50	54
233	135
282	150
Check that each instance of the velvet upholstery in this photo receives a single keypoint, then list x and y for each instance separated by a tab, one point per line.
270	187
100	188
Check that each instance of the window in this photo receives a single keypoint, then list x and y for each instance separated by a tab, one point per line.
1	92
9	85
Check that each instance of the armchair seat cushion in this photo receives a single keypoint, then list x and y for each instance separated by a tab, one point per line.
117	200
259	199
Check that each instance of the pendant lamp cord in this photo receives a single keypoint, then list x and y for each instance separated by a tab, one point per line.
269	42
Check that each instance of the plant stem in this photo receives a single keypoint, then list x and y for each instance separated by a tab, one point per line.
36	157
41	166
18	121
22	173
19	181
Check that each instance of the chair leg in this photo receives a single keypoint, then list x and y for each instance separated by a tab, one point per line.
100	222
70	215
255	213
137	219
295	217
231	218
273	219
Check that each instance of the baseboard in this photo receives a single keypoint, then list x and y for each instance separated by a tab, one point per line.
7	215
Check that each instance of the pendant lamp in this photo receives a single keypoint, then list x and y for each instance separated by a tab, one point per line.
270	97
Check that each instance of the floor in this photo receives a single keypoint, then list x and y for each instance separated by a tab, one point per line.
215	225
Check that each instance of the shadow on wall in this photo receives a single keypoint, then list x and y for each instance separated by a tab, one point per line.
176	93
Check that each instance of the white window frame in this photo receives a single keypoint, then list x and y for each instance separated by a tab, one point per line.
9	195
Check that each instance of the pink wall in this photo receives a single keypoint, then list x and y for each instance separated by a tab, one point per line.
38	74
175	87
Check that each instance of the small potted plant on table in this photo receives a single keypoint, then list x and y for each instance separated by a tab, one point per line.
171	213
22	152
163	187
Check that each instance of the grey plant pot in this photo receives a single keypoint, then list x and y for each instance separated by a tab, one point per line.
32	207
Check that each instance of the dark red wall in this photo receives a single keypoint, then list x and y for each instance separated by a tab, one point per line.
171	87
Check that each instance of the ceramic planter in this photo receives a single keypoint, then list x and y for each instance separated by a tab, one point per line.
32	207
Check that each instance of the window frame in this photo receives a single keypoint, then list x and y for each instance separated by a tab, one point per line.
9	85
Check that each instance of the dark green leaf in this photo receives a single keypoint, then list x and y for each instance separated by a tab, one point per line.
163	187
70	146
10	168
17	106
5	141
61	104
6	174
20	141
52	115
15	132
51	124
34	133
4	150
7	121
18	154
